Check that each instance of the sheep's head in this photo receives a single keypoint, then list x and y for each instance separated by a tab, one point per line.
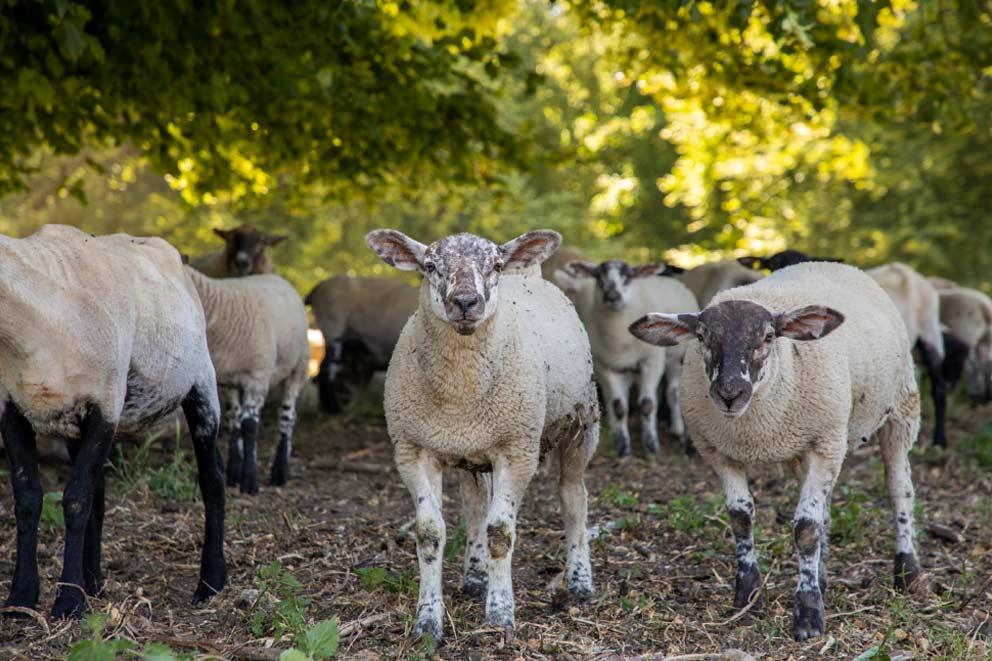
463	270
245	250
978	367
737	338
783	259
615	276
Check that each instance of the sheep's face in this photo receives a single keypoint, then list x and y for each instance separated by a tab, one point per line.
737	339
978	368
463	271
614	278
245	249
783	259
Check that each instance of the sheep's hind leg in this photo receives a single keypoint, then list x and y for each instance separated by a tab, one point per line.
933	362
202	416
809	616
421	473
96	439
92	551
574	458
740	508
896	438
19	439
648	379
251	413
510	479
476	495
232	427
616	392
287	421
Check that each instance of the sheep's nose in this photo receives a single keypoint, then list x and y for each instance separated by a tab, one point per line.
611	296
730	393
466	302
242	261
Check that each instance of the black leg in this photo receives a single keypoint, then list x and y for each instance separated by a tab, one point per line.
933	365
92	547
327	385
202	418
249	465
96	439
232	428
19	441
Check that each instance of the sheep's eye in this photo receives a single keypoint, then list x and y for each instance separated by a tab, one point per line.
769	337
498	267
430	267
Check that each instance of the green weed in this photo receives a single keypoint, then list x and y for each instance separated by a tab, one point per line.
176	480
52	516
685	513
456	541
376	578
280	609
622	499
976	451
847	518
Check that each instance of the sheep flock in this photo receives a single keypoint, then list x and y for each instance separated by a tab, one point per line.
501	369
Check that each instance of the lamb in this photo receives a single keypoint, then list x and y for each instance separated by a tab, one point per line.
490	375
967	314
620	295
801	367
919	306
101	337
246	252
257	334
707	280
356	313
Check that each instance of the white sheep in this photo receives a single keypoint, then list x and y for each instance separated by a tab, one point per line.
246	252
363	311
257	334
756	390
100	336
490	374
967	314
918	304
706	280
609	297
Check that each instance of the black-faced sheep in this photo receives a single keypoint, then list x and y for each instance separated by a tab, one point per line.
246	252
489	375
257	334
101	336
800	368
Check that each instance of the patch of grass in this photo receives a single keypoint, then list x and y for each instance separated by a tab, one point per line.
376	578
98	647
976	451
623	499
368	401
456	541
176	480
606	444
687	514
280	609
847	517
52	516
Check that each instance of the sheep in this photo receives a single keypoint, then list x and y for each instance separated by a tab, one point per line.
257	334
558	260
101	337
490	375
621	294
967	314
919	306
783	259
356	313
707	280
801	367
246	252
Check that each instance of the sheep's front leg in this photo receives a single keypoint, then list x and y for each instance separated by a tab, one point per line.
740	508
421	472
649	376
809	618
252	401
476	495
22	453
511	476
96	439
574	458
673	370
232	429
616	391
896	439
287	422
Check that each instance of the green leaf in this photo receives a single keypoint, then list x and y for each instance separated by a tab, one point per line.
72	40
322	639
293	655
157	652
91	650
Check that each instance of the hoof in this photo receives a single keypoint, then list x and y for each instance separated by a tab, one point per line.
500	617
249	487
581	593
745	584
651	445
427	626
208	588
233	476
22	599
907	571
279	478
69	605
809	618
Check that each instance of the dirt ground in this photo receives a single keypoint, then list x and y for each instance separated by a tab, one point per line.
662	561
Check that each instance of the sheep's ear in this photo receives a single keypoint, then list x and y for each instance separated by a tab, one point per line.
396	249
751	262
808	323
582	269
659	268
672	270
529	249
222	233
665	330
835	260
273	239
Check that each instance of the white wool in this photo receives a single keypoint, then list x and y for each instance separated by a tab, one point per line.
707	280
88	319
967	313
830	392
917	301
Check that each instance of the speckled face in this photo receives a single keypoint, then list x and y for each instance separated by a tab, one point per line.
463	272
737	338
614	277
